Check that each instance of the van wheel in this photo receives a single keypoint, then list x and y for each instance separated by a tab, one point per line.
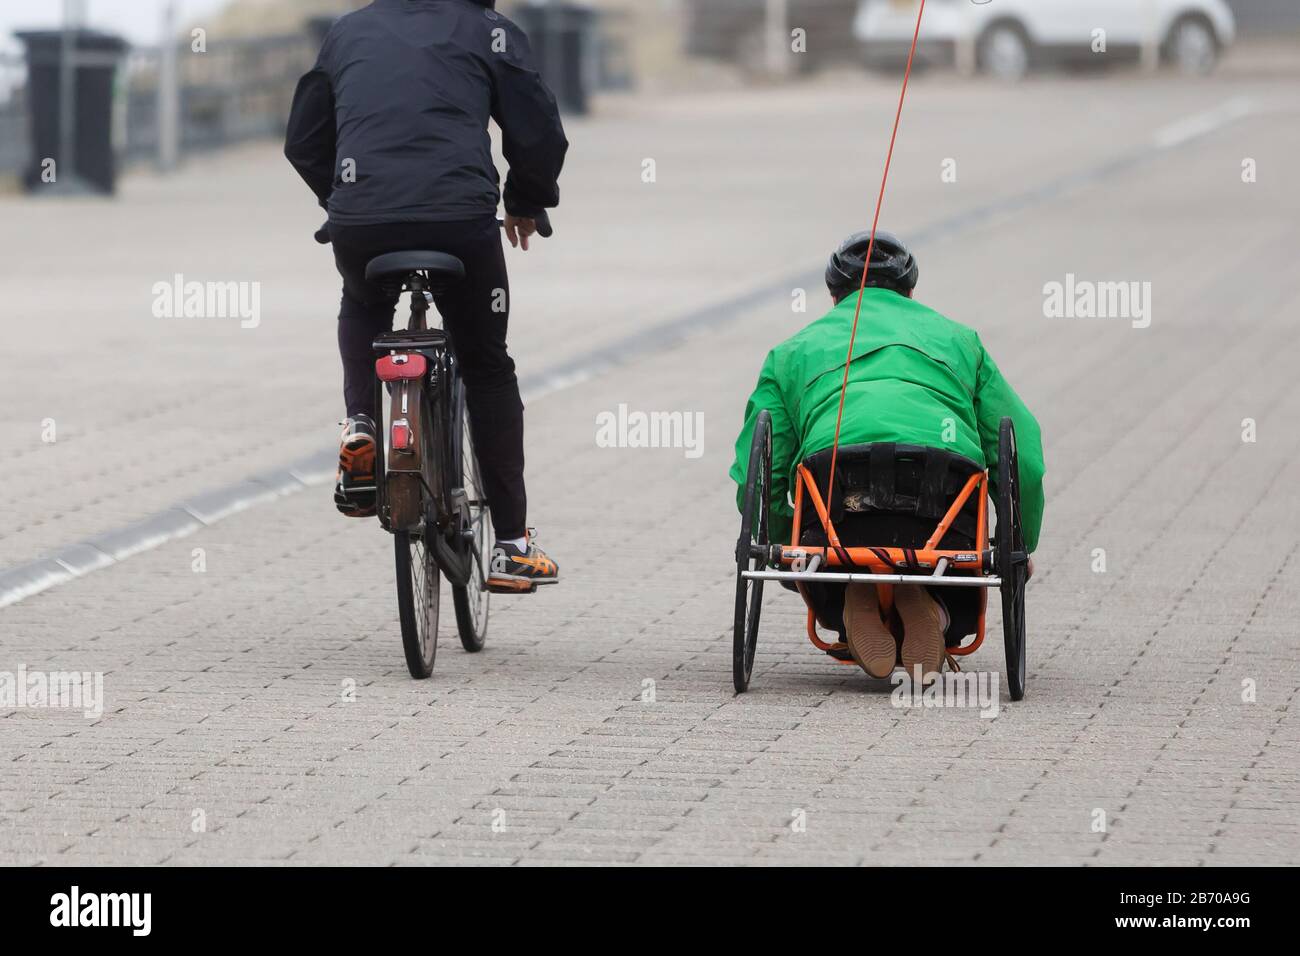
1004	51
1193	46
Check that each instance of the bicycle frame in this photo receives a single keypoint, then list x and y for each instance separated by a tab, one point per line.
433	346
431	448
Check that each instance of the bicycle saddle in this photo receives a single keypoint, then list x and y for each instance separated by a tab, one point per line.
439	266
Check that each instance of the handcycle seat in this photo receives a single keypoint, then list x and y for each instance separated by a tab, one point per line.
440	267
914	484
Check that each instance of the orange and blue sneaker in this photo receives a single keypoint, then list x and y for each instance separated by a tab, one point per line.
518	570
354	489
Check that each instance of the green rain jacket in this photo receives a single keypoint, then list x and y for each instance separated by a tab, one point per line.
916	378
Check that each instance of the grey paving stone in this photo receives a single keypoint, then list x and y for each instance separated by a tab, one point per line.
267	694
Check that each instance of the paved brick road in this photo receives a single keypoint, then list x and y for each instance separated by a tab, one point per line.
267	697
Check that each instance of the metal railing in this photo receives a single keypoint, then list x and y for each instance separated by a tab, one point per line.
757	32
230	92
235	91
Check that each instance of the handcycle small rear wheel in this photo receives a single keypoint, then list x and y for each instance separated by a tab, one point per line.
751	553
1012	562
417	602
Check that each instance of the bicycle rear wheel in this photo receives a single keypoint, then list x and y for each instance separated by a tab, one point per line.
470	600
418	595
418	576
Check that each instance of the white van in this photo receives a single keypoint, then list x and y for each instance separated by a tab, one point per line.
1007	38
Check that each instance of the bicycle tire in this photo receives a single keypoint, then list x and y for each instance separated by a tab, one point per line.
753	531
419	580
470	601
1009	541
418	600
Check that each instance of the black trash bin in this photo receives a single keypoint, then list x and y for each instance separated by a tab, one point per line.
98	56
564	42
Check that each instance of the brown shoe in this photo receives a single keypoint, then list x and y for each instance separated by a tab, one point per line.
922	629
869	640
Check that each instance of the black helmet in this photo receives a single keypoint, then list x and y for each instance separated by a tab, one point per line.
892	265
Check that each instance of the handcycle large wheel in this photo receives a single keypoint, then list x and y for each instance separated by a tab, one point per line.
1012	562
471	599
417	602
751	553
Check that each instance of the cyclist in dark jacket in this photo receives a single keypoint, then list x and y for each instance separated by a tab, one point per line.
390	131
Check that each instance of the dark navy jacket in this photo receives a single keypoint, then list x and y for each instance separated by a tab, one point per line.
391	125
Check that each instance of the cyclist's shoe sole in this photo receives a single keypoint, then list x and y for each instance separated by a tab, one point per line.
508	584
355	491
500	586
350	506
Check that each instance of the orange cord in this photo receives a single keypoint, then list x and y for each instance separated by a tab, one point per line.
880	200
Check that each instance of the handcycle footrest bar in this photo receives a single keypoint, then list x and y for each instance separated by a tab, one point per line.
830	577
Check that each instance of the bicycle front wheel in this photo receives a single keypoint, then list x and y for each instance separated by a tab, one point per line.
417	602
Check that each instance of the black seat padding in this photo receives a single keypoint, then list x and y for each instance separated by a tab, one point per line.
439	265
884	478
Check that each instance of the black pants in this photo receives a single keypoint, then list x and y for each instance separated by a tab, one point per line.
475	314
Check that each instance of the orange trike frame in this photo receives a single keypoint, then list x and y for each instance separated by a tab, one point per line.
886	562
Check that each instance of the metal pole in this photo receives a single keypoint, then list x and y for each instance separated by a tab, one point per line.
73	13
1150	40
551	68
169	126
778	37
966	46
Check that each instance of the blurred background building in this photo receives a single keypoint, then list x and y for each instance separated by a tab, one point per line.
226	71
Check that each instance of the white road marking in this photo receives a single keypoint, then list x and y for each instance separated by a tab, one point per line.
1203	124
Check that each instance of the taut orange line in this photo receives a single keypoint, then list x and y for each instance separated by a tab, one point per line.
880	200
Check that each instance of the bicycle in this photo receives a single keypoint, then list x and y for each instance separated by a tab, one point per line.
428	491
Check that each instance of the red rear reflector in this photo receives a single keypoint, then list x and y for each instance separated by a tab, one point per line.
401	435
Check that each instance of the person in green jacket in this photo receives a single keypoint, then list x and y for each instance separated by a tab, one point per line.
916	378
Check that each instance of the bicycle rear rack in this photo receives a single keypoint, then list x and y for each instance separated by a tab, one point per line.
411	341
